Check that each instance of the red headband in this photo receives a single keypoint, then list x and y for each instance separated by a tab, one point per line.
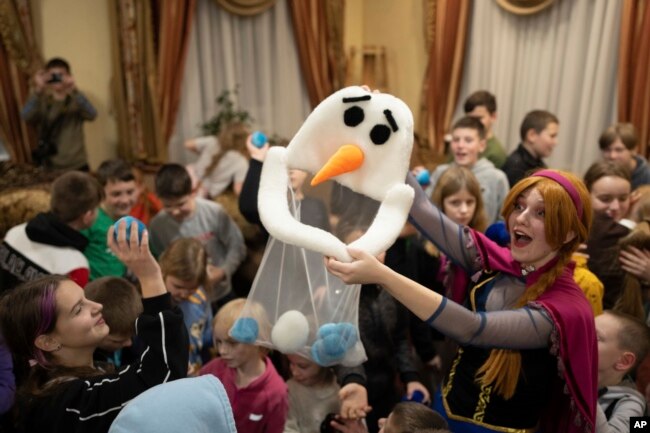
566	184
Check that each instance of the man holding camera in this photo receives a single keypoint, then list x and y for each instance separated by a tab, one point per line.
57	110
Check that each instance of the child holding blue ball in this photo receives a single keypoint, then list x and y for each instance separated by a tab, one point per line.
256	391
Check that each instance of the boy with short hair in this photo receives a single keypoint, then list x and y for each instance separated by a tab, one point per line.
122	304
120	193
623	341
52	242
483	105
258	394
406	417
618	143
409	416
468	141
186	216
538	132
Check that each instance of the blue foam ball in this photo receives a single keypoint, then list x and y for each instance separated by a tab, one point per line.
327	329
333	346
258	139
417	397
245	330
320	355
423	177
129	222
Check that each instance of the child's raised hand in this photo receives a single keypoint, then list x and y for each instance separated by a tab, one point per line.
364	269
354	401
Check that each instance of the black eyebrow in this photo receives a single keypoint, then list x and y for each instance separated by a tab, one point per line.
391	120
356	99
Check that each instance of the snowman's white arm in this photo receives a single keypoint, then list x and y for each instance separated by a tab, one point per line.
388	222
277	219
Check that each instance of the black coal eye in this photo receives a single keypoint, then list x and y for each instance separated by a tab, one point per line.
353	116
380	134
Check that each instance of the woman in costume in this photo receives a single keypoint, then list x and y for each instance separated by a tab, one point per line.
527	359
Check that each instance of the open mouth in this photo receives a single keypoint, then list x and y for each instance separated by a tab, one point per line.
521	239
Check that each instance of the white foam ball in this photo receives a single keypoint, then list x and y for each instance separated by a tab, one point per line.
290	332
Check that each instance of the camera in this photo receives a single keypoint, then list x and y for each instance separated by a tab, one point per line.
55	77
325	426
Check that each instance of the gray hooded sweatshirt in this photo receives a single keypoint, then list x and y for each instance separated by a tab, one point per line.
617	405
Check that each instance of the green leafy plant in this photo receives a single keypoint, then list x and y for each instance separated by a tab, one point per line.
228	113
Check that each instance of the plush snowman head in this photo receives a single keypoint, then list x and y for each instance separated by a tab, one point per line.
362	140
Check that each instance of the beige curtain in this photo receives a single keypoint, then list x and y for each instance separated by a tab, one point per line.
228	52
540	62
19	59
149	45
445	67
634	70
318	27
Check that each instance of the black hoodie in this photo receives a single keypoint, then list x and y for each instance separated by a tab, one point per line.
43	246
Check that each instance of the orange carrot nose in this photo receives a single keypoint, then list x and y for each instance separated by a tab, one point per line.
348	158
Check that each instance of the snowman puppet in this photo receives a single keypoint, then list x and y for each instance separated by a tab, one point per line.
362	141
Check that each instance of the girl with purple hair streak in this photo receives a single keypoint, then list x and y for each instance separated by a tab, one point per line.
527	360
50	324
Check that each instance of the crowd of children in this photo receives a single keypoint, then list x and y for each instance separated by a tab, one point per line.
93	315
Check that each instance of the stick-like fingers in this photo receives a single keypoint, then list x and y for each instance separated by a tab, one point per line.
144	242
121	235
110	240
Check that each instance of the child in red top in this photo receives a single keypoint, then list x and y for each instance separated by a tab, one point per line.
257	393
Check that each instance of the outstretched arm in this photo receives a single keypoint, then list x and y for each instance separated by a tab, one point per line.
277	218
493	329
452	239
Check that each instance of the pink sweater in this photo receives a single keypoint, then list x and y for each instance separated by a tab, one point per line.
262	406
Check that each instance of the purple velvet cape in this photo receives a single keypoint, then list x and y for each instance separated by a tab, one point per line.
572	407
